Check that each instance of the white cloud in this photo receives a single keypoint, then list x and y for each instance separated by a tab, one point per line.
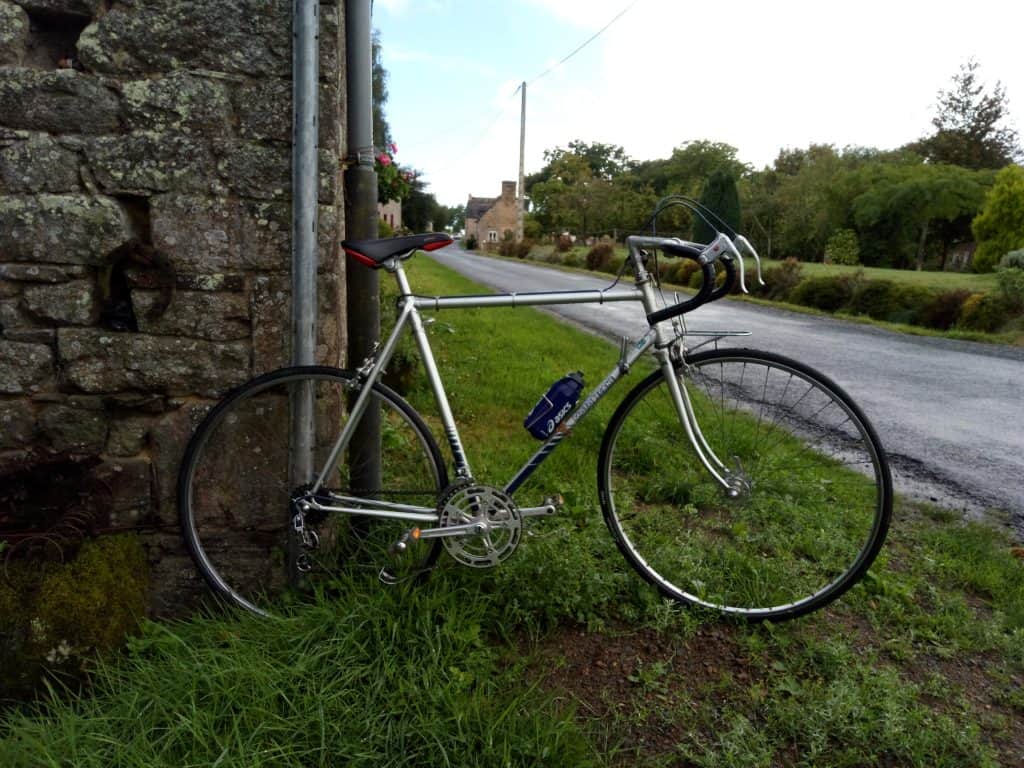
759	76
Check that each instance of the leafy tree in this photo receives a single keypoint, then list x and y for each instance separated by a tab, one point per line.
688	167
381	129
970	128
721	196
422	212
902	204
807	208
999	228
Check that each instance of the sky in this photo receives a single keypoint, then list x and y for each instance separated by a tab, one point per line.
760	76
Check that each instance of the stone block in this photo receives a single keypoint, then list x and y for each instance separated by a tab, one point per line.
99	361
57	101
271	319
82	8
17	422
179	101
127	435
74	430
129	483
149	37
14	27
26	368
72	303
264	109
61	229
196	314
40	273
255	170
169	438
39	164
213	235
148	279
12	316
146	162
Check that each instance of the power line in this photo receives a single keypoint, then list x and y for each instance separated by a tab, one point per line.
583	45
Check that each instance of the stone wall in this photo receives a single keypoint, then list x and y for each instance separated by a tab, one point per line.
145	227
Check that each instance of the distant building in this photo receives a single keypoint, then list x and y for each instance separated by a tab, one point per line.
493	219
391	212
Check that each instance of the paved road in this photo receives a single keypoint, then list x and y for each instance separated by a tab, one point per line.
950	413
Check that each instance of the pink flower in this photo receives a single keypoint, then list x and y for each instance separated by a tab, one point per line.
393	148
383	158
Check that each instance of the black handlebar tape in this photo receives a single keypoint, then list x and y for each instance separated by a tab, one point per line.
706	288
730	281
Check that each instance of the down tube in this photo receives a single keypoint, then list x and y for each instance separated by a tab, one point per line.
565	429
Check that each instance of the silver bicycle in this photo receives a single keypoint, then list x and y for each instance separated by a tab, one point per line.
732	479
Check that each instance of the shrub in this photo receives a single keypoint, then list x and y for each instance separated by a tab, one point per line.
614	265
522	248
780	280
982	312
563	243
875	298
1011	287
910	305
827	293
384	229
1000	225
696	279
599	257
944	308
470	243
681	270
572	259
842	248
1013	260
55	616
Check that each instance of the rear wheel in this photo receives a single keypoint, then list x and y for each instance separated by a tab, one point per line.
235	495
812	492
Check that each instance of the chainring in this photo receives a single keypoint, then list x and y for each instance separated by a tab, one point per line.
493	511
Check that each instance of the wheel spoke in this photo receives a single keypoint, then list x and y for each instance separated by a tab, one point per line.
814	492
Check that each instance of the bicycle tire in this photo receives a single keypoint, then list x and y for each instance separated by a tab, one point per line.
814	503
234	493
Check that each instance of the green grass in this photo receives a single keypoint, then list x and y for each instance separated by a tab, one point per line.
942	281
921	664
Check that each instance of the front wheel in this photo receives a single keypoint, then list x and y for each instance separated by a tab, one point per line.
810	493
236	491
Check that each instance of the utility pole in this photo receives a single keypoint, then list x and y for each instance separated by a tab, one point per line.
360	223
305	100
520	200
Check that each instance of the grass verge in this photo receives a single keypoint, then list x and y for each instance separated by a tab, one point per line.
562	655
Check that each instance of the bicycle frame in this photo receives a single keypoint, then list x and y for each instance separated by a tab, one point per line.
663	341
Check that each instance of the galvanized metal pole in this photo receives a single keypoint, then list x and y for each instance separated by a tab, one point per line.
361	222
305	109
520	203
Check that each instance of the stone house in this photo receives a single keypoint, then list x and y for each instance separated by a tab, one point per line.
391	213
493	219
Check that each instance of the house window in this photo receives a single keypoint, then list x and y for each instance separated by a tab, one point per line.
492	236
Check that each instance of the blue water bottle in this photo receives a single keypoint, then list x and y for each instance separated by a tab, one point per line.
552	409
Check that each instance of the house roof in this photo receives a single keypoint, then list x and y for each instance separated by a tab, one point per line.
478	206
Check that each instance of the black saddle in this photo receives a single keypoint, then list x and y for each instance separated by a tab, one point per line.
375	253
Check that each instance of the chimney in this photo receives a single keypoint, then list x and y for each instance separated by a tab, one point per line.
508	191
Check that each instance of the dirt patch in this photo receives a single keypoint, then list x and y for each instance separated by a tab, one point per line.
649	687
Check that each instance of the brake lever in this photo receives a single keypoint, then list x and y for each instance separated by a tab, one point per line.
741	242
723	248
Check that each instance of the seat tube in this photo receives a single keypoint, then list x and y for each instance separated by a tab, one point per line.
444	409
